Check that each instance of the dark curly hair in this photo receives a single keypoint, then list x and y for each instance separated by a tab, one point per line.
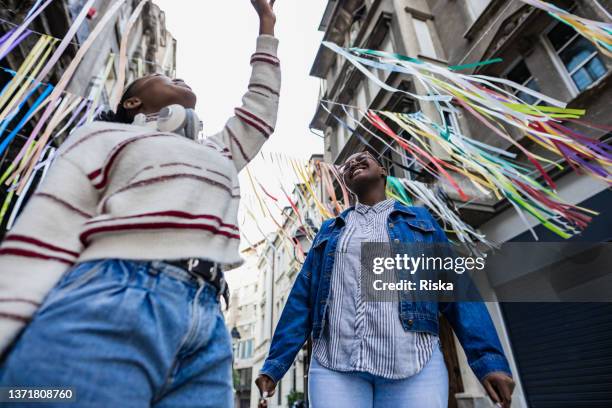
122	115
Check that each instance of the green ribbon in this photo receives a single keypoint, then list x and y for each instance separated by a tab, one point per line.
418	61
399	188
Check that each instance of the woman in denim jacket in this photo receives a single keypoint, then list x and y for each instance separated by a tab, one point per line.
376	354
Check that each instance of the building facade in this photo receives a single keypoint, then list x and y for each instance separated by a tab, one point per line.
538	52
277	266
151	49
241	319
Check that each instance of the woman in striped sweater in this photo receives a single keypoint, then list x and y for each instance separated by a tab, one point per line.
114	268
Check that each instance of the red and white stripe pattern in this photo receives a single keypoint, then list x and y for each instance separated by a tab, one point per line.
223	150
16	309
255	85
235	142
254	121
99	177
161	220
167	178
31	247
266	58
57	200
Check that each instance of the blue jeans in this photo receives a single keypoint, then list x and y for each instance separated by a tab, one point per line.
334	389
127	334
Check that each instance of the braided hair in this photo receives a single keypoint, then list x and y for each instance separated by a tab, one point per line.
121	115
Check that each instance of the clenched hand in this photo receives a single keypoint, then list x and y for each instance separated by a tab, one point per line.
499	386
267	18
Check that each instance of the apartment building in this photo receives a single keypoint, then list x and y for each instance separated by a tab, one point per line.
241	319
553	364
278	265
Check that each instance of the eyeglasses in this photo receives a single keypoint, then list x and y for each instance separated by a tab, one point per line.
357	159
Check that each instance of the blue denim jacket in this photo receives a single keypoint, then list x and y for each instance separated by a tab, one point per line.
305	312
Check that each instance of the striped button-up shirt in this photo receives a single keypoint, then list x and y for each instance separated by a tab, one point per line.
363	335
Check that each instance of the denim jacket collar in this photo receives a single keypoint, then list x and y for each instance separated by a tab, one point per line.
397	208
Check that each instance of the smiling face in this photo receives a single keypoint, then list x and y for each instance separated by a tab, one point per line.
361	171
152	93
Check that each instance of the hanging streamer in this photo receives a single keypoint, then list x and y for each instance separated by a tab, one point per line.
489	169
123	51
15	89
20	29
597	32
15	43
98	93
33	109
494	107
83	103
76	24
55	94
406	191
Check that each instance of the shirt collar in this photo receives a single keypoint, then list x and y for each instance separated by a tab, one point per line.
377	208
397	207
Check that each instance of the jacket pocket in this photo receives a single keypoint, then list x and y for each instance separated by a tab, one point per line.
416	230
422	226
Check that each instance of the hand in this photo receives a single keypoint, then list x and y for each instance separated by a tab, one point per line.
266	388
267	18
499	386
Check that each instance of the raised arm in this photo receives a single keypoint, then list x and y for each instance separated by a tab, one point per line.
253	123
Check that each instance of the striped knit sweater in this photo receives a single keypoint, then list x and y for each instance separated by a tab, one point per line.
125	191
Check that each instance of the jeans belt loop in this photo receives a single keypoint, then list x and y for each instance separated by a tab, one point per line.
150	267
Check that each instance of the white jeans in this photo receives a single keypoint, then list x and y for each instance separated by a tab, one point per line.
334	389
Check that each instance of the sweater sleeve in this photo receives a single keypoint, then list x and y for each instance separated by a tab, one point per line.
42	245
252	124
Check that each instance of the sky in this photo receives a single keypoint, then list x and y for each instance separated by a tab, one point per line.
214	43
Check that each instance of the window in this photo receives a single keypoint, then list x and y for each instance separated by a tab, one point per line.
249	349
361	100
357	24
163	32
521	75
476	7
451	121
577	54
331	75
342	134
386	158
243	349
423	35
387	46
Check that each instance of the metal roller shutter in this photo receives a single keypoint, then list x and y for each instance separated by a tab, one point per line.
563	352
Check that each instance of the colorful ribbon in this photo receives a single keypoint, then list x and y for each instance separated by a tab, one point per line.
597	32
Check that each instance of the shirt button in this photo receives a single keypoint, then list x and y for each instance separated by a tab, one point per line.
396	240
391	225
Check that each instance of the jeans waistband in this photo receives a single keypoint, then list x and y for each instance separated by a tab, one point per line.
220	287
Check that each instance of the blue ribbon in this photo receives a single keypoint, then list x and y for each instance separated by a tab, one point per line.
25	118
